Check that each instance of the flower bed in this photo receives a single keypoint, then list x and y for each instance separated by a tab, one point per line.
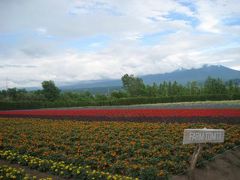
11	173
150	115
56	168
125	148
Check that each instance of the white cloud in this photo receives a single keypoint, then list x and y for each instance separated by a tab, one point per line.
211	13
43	29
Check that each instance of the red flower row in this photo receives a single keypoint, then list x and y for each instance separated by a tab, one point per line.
128	112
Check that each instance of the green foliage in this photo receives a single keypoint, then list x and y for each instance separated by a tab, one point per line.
193	88
133	85
101	97
119	94
214	86
136	88
13	94
50	91
150	173
134	92
152	91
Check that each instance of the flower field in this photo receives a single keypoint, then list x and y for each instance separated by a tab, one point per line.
139	114
130	112
106	150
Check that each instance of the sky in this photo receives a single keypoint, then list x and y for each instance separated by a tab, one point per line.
75	40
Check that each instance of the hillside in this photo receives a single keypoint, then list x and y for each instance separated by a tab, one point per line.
181	76
200	74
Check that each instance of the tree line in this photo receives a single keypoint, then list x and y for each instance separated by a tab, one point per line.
134	91
135	86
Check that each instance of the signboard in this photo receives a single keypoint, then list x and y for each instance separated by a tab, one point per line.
203	136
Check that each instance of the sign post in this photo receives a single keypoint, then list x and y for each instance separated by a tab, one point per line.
200	136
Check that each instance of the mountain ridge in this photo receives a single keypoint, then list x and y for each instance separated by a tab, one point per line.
182	76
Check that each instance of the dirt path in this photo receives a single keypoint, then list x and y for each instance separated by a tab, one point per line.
31	172
224	167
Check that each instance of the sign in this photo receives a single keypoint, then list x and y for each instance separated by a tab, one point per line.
203	136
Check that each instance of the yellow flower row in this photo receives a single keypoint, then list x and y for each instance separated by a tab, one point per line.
59	168
11	173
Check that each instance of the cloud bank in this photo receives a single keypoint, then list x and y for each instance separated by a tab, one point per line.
75	40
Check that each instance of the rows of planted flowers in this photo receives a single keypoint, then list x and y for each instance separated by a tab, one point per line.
56	168
130	112
124	148
150	115
12	173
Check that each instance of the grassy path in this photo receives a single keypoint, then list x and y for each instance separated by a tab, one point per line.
176	105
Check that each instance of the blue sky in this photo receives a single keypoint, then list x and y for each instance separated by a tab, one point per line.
76	40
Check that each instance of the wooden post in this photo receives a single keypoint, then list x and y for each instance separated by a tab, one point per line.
200	136
193	161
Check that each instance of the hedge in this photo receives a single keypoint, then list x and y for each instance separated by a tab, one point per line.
10	105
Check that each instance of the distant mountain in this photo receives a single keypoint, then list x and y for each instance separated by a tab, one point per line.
94	86
200	74
181	76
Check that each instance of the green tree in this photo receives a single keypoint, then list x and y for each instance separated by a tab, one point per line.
87	95
133	85
119	94
193	88
12	93
232	87
50	91
214	86
152	91
163	89
100	97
